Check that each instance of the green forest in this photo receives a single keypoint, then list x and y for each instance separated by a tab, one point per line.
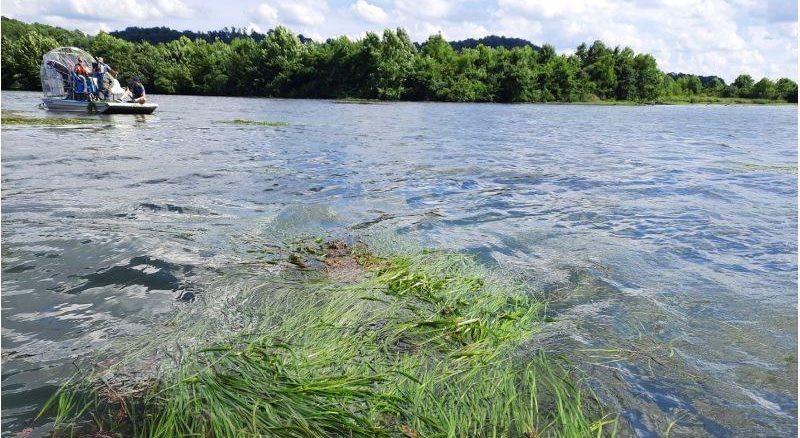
386	67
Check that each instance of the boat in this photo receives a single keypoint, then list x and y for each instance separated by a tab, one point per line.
64	90
125	107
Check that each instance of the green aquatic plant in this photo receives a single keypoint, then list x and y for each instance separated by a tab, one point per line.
754	167
253	122
423	344
358	101
16	119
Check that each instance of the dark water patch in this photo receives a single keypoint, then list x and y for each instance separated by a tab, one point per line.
19	269
156	207
203	175
172	208
377	220
153	274
103	175
155	181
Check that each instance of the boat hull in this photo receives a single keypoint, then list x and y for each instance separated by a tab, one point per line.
57	104
129	108
101	107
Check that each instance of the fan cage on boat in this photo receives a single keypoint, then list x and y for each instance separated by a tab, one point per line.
57	67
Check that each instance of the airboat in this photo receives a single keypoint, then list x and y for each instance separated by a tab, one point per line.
64	90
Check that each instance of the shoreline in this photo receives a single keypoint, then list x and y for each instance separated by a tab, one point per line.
724	101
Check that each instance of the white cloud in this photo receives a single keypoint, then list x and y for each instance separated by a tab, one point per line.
708	37
465	30
86	14
306	12
175	8
370	12
548	8
292	12
266	14
88	26
424	8
253	27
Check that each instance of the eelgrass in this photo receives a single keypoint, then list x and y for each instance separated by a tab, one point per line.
44	121
253	122
423	345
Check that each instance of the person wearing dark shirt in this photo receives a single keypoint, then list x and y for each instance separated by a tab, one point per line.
137	91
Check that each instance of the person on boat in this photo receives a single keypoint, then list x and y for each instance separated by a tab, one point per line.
106	68
97	73
102	75
137	91
101	69
82	76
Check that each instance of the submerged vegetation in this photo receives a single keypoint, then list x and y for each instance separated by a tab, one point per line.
344	342
253	122
385	67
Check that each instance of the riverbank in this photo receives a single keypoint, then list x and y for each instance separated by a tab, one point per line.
706	100
344	341
697	100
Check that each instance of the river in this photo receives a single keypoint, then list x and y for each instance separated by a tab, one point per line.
667	234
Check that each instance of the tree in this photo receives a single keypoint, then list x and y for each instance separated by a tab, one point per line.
514	73
764	89
561	83
393	65
599	68
626	74
433	69
786	89
730	91
694	85
546	54
278	61
245	76
381	66
714	87
670	87
648	78
22	59
744	83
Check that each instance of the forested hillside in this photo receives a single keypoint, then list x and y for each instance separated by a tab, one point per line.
388	66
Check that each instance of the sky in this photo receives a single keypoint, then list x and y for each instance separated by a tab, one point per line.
722	37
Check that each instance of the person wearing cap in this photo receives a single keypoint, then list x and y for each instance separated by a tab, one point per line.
102	65
104	75
105	68
97	72
137	91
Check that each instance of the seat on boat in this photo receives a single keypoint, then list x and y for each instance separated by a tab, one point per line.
79	86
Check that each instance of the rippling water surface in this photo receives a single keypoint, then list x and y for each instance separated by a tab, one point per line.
667	235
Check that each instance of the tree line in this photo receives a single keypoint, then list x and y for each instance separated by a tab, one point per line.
388	66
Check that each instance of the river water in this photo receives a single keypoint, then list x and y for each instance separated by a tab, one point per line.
666	235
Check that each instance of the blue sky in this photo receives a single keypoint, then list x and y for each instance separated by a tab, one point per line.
724	37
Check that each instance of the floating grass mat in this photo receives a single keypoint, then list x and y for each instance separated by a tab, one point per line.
755	167
253	122
347	343
17	119
356	101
